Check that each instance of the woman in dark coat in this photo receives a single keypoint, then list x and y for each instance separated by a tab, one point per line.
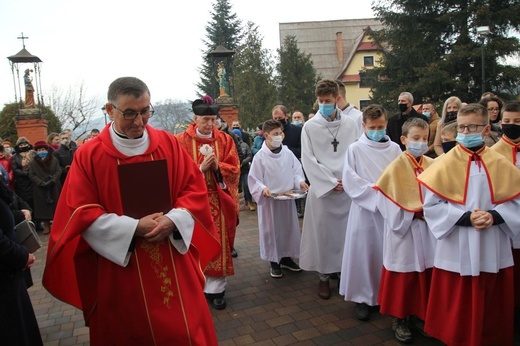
18	324
23	155
45	172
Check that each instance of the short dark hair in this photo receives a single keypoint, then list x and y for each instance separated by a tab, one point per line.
94	131
414	122
270	125
373	112
126	86
327	87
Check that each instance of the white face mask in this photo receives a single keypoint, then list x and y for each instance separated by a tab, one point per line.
276	141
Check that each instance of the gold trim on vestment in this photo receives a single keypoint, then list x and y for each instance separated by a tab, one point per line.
181	301
448	177
399	181
144	297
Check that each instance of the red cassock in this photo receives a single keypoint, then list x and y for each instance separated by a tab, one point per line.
157	299
223	202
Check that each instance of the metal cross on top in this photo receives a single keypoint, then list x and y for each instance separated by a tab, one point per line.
23	39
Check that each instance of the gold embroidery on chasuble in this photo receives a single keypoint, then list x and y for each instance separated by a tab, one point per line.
161	270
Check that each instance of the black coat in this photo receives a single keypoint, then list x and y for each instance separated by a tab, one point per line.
24	185
292	139
45	199
18	324
395	124
64	155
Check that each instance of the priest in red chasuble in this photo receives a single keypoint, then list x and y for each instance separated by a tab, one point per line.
216	155
132	232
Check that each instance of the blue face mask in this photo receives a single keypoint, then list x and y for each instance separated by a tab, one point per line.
298	123
376	135
469	140
42	154
417	148
327	109
427	114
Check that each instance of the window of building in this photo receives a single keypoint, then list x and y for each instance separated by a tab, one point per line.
366	80
363	104
368	61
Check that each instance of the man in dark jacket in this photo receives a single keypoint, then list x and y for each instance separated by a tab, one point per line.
396	121
292	133
65	154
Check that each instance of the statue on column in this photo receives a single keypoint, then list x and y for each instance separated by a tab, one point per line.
29	89
222	79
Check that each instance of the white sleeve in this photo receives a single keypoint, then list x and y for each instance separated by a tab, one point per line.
440	215
185	224
110	236
396	218
359	190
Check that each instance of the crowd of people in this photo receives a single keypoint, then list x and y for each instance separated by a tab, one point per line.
413	215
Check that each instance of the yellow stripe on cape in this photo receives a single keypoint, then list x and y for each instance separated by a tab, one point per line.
398	182
448	176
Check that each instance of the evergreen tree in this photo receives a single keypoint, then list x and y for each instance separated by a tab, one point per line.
431	48
223	29
296	77
8	127
255	89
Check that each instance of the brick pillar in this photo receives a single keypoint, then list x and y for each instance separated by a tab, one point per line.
228	109
31	125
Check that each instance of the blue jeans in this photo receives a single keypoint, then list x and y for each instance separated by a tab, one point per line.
245	187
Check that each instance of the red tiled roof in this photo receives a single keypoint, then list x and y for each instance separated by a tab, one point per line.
351	78
366	46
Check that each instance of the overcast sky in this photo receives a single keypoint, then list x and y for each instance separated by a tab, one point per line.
160	42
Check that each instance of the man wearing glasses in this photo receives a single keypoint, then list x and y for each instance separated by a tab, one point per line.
138	279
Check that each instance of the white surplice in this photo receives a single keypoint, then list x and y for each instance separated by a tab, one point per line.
326	210
278	223
363	253
355	114
463	249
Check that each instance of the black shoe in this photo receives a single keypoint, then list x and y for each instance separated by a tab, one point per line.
234	253
219	303
217	300
288	263
362	312
401	331
276	272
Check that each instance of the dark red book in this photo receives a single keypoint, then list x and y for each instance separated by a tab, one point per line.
145	188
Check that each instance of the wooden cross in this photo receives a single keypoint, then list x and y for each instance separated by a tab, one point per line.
335	144
23	38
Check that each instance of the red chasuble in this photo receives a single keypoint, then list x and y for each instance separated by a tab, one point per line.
157	299
223	203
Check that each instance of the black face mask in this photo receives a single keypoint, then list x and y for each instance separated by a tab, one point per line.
283	121
402	107
447	146
450	116
236	127
512	131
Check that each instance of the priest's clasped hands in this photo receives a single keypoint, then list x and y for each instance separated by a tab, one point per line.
154	227
210	161
481	219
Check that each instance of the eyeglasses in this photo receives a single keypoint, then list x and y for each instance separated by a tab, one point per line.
493	109
131	115
471	128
